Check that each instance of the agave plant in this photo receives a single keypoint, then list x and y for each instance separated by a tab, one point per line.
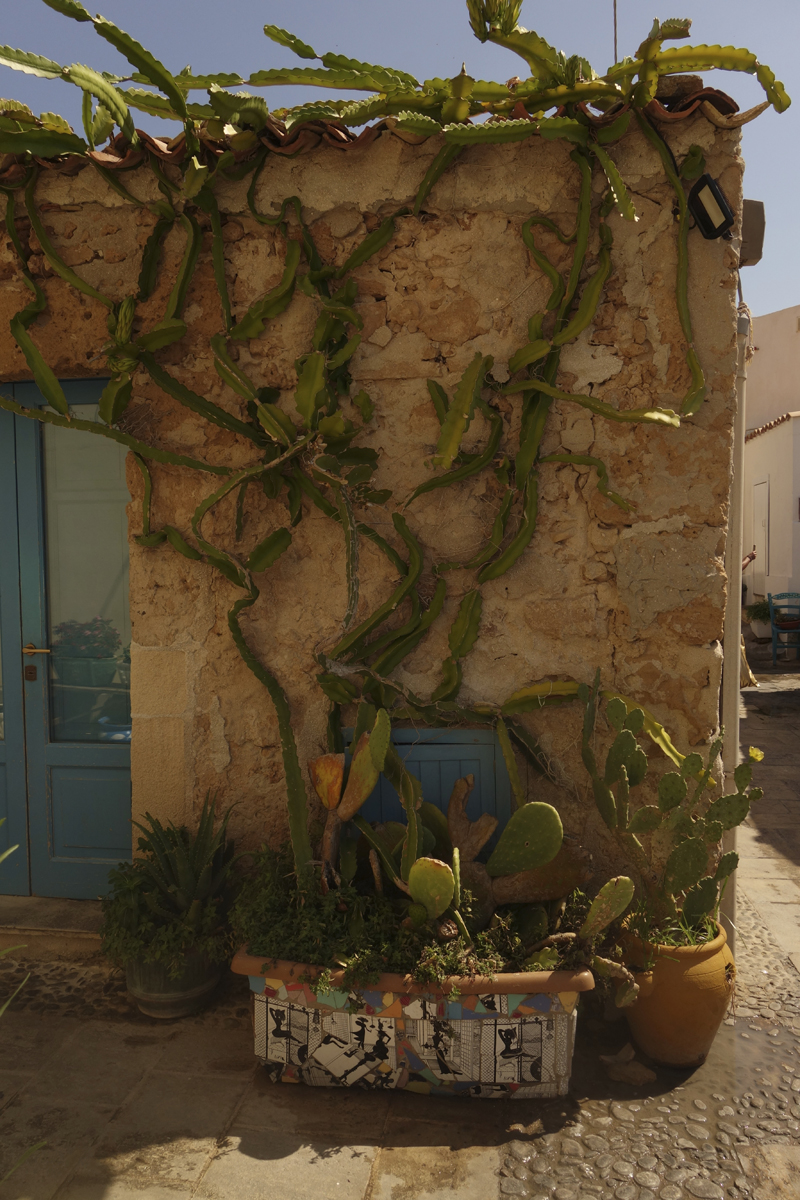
182	871
173	896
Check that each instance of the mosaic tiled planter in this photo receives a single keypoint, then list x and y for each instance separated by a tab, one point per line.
511	1036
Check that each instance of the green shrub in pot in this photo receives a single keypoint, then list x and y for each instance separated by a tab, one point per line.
759	611
165	918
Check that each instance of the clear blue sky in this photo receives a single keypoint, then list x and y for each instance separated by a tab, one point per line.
433	37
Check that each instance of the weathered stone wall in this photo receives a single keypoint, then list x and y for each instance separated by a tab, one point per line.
640	595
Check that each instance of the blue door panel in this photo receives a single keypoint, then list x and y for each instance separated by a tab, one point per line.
73	797
440	757
88	806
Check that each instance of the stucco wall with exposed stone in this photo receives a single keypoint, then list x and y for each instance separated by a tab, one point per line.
639	595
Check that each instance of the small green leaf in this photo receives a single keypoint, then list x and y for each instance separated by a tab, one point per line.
645	819
616	713
277	423
694	164
742	776
44	143
70	8
460	411
269	550
618	189
115	398
142	59
163	334
364	405
283	38
614	131
179	543
556	128
31	64
672	790
112	98
310	382
195	178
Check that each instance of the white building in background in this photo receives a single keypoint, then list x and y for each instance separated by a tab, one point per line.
772	456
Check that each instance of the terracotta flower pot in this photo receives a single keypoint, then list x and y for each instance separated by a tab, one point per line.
682	1000
511	1035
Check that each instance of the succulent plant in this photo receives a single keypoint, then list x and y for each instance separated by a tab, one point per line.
431	882
328	777
532	837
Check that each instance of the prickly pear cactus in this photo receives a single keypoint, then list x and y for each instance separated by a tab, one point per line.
610	902
729	810
672	789
701	900
532	837
685	865
431	883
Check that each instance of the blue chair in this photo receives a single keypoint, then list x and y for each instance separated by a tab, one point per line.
785	604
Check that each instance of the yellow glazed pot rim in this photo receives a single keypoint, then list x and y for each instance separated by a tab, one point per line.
706	950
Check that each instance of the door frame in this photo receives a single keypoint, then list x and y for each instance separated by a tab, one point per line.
15	870
762	572
48	873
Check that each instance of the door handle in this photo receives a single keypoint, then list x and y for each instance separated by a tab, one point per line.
31	649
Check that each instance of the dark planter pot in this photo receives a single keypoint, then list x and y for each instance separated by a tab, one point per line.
157	995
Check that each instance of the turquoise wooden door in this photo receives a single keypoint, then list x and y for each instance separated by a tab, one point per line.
65	748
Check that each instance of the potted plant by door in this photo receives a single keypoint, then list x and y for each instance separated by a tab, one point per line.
165	918
758	615
674	944
85	652
397	959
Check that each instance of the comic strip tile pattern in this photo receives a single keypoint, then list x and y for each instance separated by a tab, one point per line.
490	1046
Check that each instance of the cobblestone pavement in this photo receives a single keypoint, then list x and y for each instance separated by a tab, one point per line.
133	1108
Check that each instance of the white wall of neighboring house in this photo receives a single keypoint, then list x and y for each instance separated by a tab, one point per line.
771	517
773	374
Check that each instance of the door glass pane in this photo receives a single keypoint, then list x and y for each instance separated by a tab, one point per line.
87	584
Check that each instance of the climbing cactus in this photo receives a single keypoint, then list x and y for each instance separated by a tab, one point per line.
431	883
379	739
609	903
532	837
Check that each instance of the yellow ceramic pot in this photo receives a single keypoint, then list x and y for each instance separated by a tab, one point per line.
682	1000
